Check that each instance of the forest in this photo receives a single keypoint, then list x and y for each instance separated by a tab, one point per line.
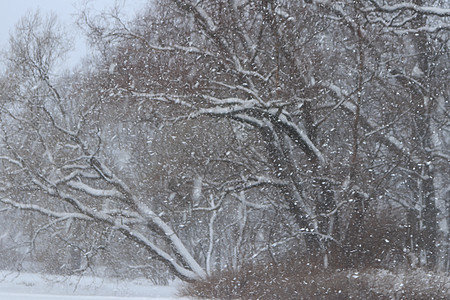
208	138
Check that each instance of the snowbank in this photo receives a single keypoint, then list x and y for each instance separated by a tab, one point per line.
21	286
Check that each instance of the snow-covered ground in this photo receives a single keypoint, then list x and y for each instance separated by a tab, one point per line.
27	286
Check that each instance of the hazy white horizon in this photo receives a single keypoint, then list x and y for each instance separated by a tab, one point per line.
66	10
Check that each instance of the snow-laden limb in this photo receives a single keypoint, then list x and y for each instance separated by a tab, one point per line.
442	155
11	160
252	92
175	241
56	125
148	215
244	118
78	185
143	210
206	18
45	211
231	101
125	194
124	213
101	169
249	113
90	215
300	133
427	10
75	174
173	48
141	239
73	166
163	98
427	29
389	23
223	111
257	75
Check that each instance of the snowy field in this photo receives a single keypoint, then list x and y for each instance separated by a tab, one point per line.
27	286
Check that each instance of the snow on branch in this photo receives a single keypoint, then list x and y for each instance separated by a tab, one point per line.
256	74
206	18
427	29
172	48
442	155
230	101
163	98
45	211
142	209
175	241
250	120
11	160
427	10
123	213
300	136
80	167
78	185
140	238
221	111
241	88
118	225
239	112
178	246
56	125
75	174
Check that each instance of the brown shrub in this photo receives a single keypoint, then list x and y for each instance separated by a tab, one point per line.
283	281
293	280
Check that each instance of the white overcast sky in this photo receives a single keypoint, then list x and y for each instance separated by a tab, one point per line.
12	10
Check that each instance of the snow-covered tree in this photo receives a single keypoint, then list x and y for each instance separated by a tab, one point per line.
317	84
217	133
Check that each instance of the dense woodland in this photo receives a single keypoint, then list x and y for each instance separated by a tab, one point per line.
205	136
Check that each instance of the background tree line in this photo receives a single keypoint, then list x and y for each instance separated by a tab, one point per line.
206	135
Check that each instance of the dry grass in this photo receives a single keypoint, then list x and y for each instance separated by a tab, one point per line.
301	281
